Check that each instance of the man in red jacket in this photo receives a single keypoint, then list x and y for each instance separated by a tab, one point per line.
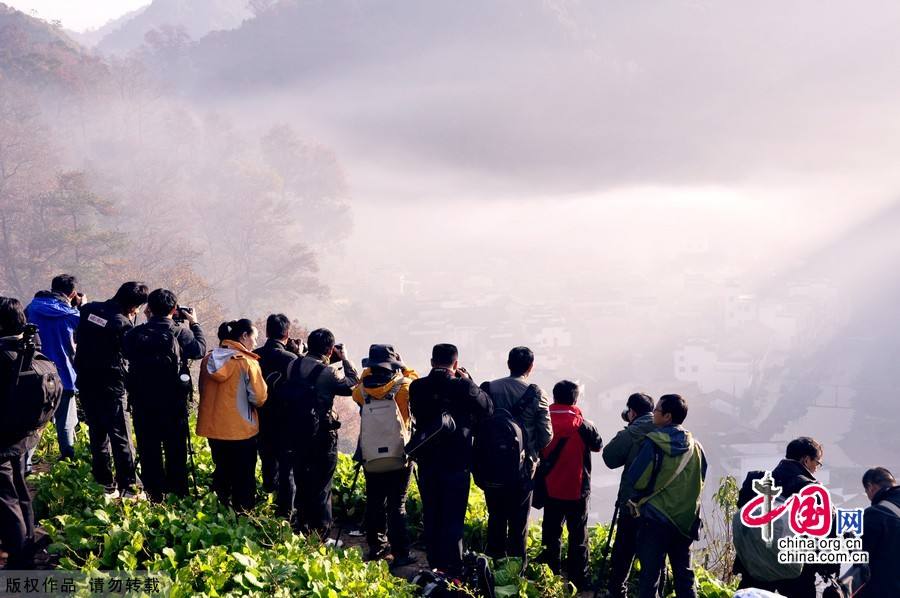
568	482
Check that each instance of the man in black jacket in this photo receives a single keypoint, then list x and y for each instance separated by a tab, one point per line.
100	364
881	533
802	459
16	514
444	472
274	357
160	389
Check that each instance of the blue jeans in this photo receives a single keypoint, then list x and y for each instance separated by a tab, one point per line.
65	419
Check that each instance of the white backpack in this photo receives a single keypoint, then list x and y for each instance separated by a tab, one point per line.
382	436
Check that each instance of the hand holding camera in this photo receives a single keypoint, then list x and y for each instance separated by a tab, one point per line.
462	372
339	353
78	300
185	314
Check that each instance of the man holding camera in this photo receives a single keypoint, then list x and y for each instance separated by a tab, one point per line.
55	313
159	388
315	459
275	356
621	452
450	403
101	368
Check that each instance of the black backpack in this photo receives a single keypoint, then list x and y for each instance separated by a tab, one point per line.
99	343
500	446
296	401
33	395
155	359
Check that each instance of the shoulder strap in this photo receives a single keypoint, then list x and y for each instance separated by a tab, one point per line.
530	393
550	461
685	459
289	368
890	507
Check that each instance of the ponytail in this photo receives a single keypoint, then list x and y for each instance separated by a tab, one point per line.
234	329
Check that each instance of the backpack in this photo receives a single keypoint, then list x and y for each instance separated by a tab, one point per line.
382	436
33	395
499	448
759	558
297	402
99	343
155	359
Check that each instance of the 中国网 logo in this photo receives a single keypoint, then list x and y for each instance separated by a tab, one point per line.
808	537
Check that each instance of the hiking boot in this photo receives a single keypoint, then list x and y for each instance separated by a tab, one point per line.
111	494
378	553
332	543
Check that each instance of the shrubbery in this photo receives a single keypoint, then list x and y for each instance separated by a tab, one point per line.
207	549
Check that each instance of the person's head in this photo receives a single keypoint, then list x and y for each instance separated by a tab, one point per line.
671	410
877	479
566	392
383	358
64	284
521	361
131	296
162	303
12	317
278	327
807	451
637	405
445	355
240	331
321	342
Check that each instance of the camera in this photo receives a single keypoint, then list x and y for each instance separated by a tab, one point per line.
339	348
77	300
179	316
625	415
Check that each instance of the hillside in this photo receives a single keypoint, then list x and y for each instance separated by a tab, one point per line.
37	54
196	18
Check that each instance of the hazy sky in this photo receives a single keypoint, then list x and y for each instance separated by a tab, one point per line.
78	14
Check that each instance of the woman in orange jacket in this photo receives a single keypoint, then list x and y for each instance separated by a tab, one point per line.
231	388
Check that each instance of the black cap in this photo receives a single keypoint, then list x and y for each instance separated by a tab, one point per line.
640	402
383	356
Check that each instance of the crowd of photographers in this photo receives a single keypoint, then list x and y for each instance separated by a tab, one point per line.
523	447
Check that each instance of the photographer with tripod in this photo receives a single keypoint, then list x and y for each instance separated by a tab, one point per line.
160	389
30	391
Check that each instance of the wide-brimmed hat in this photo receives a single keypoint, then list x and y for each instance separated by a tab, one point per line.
382	356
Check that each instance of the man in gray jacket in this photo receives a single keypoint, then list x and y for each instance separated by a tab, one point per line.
315	459
508	508
620	452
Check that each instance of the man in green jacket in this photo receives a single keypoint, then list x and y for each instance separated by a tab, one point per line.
667	475
621	452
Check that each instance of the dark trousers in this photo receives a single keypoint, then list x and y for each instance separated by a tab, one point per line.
445	495
623	551
16	515
574	513
109	428
162	438
386	502
656	540
507	521
268	450
314	465
284	498
234	478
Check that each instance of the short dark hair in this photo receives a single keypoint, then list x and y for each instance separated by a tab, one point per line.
879	476
520	360
277	326
233	330
63	283
444	354
320	341
674	405
161	302
640	402
12	316
131	294
566	392
804	446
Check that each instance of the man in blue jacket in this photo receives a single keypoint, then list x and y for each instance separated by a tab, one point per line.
55	314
